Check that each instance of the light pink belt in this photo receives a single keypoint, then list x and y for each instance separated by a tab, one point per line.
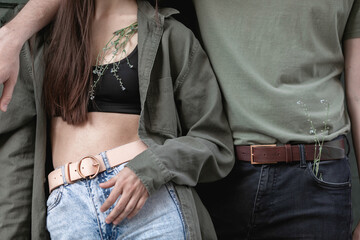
91	166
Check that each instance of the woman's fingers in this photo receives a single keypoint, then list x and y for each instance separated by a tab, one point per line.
128	206
114	195
124	212
7	94
138	207
119	208
108	184
133	196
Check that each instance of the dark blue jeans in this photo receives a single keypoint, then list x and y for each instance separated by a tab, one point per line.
281	201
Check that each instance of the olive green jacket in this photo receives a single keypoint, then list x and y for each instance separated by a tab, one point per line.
23	145
182	121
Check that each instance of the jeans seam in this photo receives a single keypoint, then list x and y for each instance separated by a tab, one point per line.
57	199
173	196
273	188
252	217
93	203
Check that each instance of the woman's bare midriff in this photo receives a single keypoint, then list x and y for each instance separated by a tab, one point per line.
102	131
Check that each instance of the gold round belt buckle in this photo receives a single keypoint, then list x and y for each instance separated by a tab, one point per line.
96	164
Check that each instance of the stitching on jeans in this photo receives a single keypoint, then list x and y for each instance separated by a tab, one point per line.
173	196
252	217
93	203
325	184
57	198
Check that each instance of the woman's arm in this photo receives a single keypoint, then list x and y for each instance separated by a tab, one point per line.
34	16
352	82
203	152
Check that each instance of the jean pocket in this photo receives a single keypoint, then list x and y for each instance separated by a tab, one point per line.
331	173
54	198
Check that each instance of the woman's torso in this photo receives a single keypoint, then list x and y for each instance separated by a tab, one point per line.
102	131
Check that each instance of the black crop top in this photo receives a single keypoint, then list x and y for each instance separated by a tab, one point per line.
109	96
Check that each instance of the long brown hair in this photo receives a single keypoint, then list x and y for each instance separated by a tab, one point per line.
68	62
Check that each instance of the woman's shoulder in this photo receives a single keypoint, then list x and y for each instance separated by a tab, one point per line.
176	28
164	17
178	34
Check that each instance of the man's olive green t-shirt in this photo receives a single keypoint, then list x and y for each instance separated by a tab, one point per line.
279	64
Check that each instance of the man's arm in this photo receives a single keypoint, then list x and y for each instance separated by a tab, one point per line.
34	16
352	82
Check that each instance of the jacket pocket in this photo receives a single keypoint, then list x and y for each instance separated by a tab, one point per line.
332	173
54	198
161	107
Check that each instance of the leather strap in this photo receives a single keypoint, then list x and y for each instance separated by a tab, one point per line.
90	166
268	154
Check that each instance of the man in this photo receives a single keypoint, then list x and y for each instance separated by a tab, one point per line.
279	64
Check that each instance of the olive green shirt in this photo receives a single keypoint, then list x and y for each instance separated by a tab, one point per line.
279	63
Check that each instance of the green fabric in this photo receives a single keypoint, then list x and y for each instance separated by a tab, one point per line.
182	121
17	142
17	151
268	55
38	216
352	29
22	148
5	3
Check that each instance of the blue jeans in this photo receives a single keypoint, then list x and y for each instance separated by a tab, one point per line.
74	213
282	201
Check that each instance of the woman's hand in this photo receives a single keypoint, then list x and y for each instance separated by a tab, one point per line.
133	196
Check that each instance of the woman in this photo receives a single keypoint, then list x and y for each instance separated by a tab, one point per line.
136	118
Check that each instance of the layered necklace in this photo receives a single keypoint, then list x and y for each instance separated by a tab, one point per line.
114	47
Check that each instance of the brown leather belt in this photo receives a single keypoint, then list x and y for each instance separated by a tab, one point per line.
91	166
268	154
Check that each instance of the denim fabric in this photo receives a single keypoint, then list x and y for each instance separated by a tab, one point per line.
282	201
74	213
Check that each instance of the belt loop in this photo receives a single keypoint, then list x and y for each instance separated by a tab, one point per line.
106	162
288	153
302	156
348	145
63	175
